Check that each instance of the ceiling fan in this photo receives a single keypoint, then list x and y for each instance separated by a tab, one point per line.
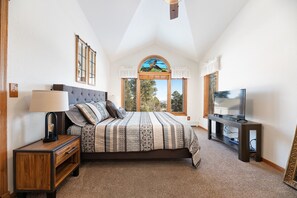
173	8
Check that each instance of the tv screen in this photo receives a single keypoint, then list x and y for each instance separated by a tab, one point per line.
230	103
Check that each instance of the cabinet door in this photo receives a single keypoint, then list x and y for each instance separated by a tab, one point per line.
32	171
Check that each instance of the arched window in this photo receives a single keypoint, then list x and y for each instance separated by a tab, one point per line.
154	64
154	89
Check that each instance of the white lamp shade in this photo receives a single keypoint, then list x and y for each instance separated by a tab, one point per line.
49	101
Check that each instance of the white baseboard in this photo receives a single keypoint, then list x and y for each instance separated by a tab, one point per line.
193	123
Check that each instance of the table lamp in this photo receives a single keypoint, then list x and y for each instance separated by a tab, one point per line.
50	102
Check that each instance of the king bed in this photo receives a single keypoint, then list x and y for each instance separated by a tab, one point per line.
139	135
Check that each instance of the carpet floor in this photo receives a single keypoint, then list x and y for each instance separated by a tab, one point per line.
220	174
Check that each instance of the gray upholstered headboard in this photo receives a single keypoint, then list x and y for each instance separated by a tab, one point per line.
76	95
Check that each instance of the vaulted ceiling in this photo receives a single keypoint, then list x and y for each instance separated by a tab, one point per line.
125	26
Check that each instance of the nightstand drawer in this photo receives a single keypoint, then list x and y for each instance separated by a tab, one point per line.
65	152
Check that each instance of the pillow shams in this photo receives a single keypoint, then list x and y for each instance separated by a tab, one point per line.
111	108
74	130
88	113
100	110
121	112
76	117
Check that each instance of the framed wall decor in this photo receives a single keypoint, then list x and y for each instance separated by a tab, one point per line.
92	67
81	60
290	177
85	61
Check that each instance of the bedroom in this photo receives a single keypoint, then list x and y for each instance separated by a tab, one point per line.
256	41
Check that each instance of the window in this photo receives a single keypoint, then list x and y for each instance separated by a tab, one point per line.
177	95
210	86
153	95
129	94
154	64
154	90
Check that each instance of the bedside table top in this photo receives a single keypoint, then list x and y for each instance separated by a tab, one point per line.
49	146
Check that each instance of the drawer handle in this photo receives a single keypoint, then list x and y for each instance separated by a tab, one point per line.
71	151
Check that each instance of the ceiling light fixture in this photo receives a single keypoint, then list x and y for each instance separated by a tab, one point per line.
172	1
173	8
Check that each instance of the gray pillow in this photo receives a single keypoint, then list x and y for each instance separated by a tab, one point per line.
121	112
88	113
100	110
111	108
76	117
74	130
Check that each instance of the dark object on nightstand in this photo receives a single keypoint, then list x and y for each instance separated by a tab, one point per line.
51	136
42	167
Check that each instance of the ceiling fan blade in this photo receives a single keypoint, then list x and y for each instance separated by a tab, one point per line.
173	11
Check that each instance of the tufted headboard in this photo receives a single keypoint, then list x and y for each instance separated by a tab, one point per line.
76	95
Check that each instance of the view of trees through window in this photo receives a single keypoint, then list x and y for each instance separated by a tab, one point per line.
177	98
153	95
130	94
212	88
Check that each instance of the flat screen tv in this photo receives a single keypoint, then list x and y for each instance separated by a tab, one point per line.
230	103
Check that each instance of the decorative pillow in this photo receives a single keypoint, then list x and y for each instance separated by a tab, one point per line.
99	109
76	117
121	112
111	108
74	130
88	113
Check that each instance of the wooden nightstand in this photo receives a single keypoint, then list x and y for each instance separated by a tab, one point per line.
41	167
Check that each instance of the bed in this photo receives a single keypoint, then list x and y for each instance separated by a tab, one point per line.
140	135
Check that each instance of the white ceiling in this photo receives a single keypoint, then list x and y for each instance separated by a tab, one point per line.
125	26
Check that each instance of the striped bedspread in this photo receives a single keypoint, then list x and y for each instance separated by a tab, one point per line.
140	131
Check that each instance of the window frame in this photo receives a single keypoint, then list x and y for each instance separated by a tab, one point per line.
206	93
157	76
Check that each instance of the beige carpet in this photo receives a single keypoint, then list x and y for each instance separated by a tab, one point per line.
220	174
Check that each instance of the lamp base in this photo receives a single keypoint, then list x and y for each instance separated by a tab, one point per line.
50	136
50	139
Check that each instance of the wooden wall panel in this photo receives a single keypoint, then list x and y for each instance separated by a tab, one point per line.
3	97
206	96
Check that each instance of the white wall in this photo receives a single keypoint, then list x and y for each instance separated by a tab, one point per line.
41	52
258	52
175	60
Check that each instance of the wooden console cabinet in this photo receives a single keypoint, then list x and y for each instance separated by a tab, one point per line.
244	128
41	167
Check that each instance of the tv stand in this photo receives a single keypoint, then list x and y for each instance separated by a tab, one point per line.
241	120
218	115
244	128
